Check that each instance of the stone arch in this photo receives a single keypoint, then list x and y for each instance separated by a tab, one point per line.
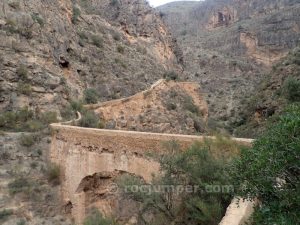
96	180
100	191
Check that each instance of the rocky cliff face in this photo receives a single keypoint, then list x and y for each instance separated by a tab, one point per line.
230	44
53	50
50	52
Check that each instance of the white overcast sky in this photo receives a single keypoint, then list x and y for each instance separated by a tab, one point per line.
155	3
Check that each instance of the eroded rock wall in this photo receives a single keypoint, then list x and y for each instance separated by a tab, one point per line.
51	51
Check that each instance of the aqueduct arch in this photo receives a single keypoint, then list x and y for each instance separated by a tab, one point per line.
83	153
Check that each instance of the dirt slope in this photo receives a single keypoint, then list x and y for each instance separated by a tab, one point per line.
168	106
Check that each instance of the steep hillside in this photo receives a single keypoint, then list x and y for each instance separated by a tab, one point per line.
52	51
229	45
279	88
167	107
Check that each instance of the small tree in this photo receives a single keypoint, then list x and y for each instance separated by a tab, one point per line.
114	2
22	72
270	171
20	184
97	41
90	119
291	89
90	96
76	14
121	49
171	75
53	174
27	140
96	218
24	88
37	18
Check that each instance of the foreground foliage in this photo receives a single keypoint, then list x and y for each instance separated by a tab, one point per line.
25	119
270	171
201	171
96	218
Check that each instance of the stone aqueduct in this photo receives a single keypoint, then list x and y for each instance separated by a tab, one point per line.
82	152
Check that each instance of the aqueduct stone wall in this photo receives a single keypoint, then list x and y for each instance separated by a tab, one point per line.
82	152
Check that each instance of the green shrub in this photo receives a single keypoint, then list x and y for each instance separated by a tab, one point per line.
11	26
97	41
83	37
22	72
189	105
24	88
4	156
199	125
24	114
296	61
296	57
21	222
77	106
76	14
142	50
39	152
171	106
270	171
101	125
25	32
49	117
53	174
11	22
67	113
96	218
171	75
27	140
120	62
116	36
25	120
33	165
33	126
114	2
18	185
7	120
121	49
36	17
89	119
291	89
4	214
12	120
90	96
183	33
